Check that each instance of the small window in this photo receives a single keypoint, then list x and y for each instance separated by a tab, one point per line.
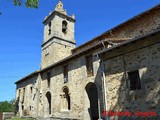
19	94
23	94
89	65
49	30
31	89
30	107
48	79
22	107
134	79
64	27
65	73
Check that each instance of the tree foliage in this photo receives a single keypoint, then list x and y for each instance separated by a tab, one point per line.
27	3
7	106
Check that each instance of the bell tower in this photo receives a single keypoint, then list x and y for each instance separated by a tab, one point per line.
58	38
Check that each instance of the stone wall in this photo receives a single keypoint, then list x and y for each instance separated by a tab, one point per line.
55	51
142	55
57	45
146	61
27	97
56	28
56	89
145	24
77	81
7	115
136	27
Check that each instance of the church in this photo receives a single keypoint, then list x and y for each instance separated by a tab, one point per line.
116	71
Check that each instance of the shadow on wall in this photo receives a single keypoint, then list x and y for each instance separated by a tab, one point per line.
143	102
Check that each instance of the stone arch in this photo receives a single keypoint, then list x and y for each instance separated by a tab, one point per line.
65	99
92	93
49	97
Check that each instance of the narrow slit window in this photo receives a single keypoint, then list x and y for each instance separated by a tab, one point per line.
65	73
23	94
135	83
49	30
19	94
89	65
31	89
48	79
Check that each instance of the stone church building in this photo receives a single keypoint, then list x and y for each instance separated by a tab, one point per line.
117	71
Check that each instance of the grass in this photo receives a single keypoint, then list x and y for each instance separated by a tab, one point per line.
16	118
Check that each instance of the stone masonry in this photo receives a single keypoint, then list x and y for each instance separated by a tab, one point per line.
80	83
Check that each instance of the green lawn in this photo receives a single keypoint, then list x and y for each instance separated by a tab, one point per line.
20	118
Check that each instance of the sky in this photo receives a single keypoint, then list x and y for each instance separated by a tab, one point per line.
21	32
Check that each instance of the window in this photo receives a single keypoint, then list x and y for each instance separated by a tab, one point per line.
31	89
46	51
19	94
65	73
49	30
89	65
23	94
48	79
66	100
64	27
48	95
134	79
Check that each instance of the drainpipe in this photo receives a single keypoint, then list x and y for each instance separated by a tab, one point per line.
126	79
102	69
103	87
105	91
99	111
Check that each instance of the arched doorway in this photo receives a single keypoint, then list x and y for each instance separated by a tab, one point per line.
92	93
48	95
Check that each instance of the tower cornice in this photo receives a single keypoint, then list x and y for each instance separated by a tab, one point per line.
60	14
57	38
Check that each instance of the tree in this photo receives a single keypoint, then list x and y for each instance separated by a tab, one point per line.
27	3
7	106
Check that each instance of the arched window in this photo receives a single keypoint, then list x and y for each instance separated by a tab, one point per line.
64	27
65	102
48	95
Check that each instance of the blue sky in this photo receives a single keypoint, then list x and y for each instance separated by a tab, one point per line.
21	32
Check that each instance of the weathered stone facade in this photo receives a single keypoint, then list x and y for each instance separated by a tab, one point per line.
142	55
58	36
80	83
26	94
